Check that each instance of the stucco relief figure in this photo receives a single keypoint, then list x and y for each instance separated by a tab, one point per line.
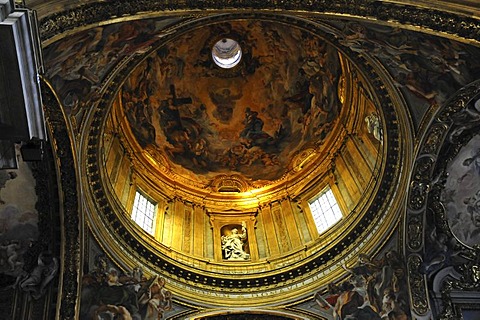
233	243
35	283
374	126
11	249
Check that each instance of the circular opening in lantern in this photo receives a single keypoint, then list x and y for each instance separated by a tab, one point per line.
226	53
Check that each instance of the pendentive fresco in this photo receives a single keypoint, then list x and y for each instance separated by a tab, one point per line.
109	293
428	70
18	216
27	263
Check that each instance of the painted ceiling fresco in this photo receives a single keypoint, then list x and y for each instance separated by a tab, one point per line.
18	217
276	81
245	121
425	68
461	195
77	65
250	120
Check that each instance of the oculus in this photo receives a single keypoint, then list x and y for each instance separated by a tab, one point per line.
226	53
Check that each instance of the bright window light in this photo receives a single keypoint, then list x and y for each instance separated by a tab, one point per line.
325	210
226	53
143	212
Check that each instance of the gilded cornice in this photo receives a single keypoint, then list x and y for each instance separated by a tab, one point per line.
435	20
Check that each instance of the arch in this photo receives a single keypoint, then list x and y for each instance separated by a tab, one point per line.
430	245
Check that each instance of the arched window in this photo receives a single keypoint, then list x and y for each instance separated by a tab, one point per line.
325	210
143	212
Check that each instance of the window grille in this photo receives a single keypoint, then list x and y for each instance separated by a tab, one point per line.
325	210
143	212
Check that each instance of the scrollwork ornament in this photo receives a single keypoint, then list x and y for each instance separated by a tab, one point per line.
448	307
418	297
68	180
470	271
91	13
423	168
418	195
437	208
419	186
469	281
434	139
415	233
460	101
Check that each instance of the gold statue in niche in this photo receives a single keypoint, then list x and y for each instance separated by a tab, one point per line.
233	244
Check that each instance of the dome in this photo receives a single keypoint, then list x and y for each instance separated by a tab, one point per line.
242	152
200	121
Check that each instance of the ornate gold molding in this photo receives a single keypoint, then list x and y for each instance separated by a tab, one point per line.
294	274
452	126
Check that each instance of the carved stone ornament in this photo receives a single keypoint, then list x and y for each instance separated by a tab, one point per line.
64	157
230	184
416	281
415	233
468	280
91	13
454	126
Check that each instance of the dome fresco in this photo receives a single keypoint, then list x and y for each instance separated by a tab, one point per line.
249	120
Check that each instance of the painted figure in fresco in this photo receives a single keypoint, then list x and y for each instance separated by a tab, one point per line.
469	230
103	290
374	290
328	302
36	282
4	177
224	101
391	309
232	244
349	301
112	312
11	249
137	279
109	294
253	134
473	162
473	209
461	194
112	292
156	300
